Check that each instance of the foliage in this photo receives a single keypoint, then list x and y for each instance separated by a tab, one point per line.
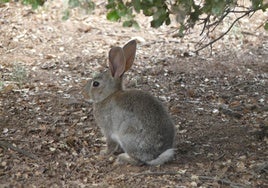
66	14
34	3
120	10
266	26
188	12
4	1
86	5
209	13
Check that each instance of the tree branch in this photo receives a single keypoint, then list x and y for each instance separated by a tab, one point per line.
227	31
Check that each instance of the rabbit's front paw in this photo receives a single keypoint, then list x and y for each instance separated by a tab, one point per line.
112	148
124	158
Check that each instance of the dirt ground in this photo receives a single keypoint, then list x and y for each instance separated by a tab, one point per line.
48	136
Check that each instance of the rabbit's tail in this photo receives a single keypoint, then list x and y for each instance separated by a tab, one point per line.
163	157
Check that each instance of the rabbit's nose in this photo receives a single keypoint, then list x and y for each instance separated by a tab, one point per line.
85	93
85	90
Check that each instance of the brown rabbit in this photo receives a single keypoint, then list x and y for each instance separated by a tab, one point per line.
132	121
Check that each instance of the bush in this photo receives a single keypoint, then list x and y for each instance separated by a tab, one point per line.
188	12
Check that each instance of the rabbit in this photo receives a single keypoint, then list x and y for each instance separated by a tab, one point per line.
132	121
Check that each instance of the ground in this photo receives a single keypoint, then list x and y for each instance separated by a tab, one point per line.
48	136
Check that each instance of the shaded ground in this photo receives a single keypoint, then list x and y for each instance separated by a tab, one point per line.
48	136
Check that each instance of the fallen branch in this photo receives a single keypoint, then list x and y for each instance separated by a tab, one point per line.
6	145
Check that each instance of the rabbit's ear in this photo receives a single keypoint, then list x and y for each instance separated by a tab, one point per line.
117	62
129	52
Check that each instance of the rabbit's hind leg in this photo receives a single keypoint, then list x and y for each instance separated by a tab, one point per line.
124	158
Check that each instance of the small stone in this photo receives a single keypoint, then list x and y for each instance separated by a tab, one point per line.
215	111
193	184
5	130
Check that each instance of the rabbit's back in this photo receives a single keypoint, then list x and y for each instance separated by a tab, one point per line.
145	108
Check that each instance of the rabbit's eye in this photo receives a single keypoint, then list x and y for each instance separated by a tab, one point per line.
95	84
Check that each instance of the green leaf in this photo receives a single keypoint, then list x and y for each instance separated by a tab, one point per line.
110	5
34	3
266	26
159	17
264	7
256	4
4	1
73	3
89	6
167	22
218	8
135	25
113	15
122	10
181	31
148	12
156	23
137	5
66	15
128	23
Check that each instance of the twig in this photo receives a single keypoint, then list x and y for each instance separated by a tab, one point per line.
206	20
227	31
262	24
216	23
70	174
219	157
213	41
5	145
